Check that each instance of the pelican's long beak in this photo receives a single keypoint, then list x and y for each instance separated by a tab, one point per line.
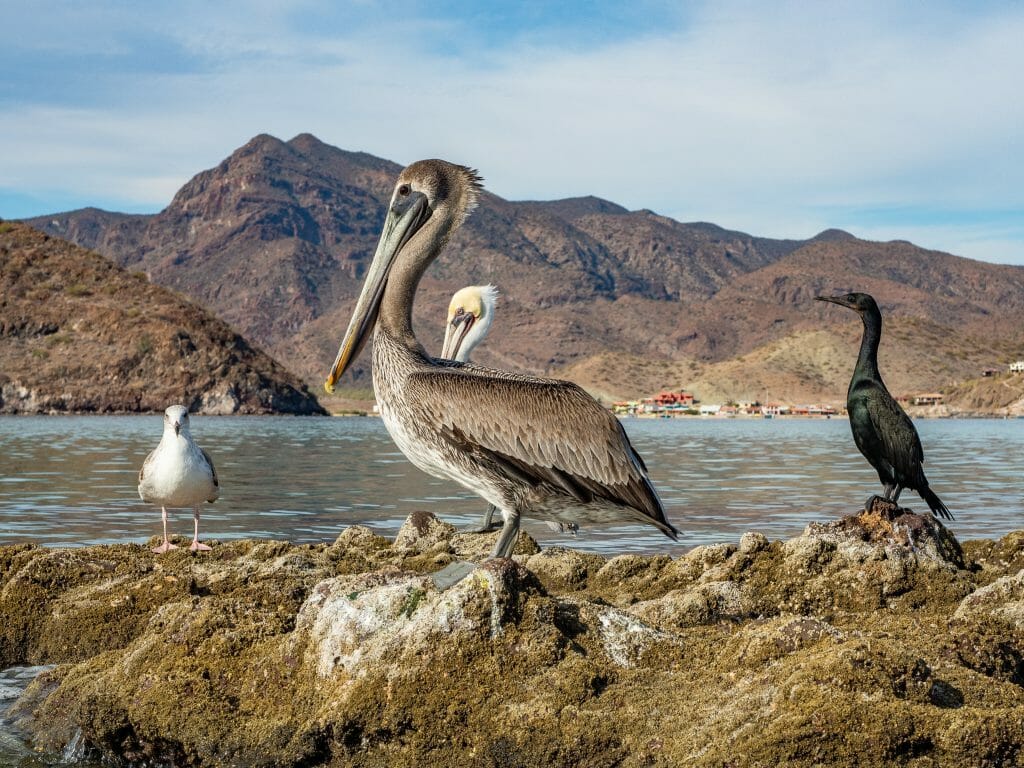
840	300
404	219
455	334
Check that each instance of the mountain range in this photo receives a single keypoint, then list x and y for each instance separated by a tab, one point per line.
275	240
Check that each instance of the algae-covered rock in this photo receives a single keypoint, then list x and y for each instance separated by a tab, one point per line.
874	640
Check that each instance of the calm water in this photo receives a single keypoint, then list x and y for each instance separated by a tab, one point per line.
71	481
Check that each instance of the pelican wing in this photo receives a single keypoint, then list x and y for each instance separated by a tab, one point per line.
541	430
898	437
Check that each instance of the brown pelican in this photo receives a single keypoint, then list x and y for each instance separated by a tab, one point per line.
178	473
530	446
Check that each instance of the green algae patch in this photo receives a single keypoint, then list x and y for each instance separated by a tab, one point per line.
874	640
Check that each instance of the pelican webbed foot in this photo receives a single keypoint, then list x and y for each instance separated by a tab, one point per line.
452	574
486	524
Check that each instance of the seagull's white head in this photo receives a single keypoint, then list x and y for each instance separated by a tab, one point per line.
470	314
176	418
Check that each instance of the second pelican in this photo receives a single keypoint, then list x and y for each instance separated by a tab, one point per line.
531	446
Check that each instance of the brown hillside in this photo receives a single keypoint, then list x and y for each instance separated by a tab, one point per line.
276	240
80	334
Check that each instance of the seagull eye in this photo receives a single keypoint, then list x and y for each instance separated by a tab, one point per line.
404	190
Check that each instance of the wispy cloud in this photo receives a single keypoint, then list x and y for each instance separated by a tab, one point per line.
781	119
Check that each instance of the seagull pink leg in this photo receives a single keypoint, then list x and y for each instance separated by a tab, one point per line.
196	546
166	546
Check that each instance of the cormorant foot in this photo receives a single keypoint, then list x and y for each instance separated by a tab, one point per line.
452	574
197	547
165	547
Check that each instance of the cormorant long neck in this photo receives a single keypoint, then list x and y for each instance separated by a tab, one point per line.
395	315
867	360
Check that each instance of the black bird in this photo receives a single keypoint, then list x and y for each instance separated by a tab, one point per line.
882	430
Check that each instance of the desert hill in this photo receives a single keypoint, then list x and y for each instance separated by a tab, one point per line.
80	334
276	239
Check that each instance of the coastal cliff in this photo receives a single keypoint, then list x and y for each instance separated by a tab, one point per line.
78	334
868	641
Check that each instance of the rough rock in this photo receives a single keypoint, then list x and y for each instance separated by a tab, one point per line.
853	644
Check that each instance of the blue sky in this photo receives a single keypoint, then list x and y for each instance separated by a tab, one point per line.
891	120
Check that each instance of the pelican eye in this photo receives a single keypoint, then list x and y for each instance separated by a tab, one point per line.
460	311
404	190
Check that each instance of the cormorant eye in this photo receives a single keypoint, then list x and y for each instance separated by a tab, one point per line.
404	190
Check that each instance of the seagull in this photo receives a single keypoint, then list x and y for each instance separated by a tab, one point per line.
178	473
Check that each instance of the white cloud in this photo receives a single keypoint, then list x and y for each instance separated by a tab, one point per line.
770	117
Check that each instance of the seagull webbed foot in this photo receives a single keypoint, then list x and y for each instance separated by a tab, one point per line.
198	547
165	547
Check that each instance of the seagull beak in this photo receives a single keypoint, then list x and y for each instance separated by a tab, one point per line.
404	219
455	334
177	428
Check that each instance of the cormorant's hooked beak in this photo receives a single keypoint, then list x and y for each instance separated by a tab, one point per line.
455	334
404	219
840	300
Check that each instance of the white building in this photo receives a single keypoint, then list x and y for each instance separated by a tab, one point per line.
1017	367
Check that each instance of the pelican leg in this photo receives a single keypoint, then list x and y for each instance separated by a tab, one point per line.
507	539
166	546
196	546
486	524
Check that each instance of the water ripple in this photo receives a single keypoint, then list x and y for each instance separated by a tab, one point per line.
71	480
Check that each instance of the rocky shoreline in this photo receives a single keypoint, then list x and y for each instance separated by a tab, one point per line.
873	640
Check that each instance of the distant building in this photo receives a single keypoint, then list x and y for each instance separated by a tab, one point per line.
664	399
930	398
988	372
710	410
1017	367
774	409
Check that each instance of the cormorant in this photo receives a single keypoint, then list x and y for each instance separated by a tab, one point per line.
881	429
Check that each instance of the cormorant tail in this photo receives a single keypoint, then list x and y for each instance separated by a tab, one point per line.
935	503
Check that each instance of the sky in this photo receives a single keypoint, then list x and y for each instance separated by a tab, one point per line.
891	120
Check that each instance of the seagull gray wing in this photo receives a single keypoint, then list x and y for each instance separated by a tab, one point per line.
144	471
213	471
